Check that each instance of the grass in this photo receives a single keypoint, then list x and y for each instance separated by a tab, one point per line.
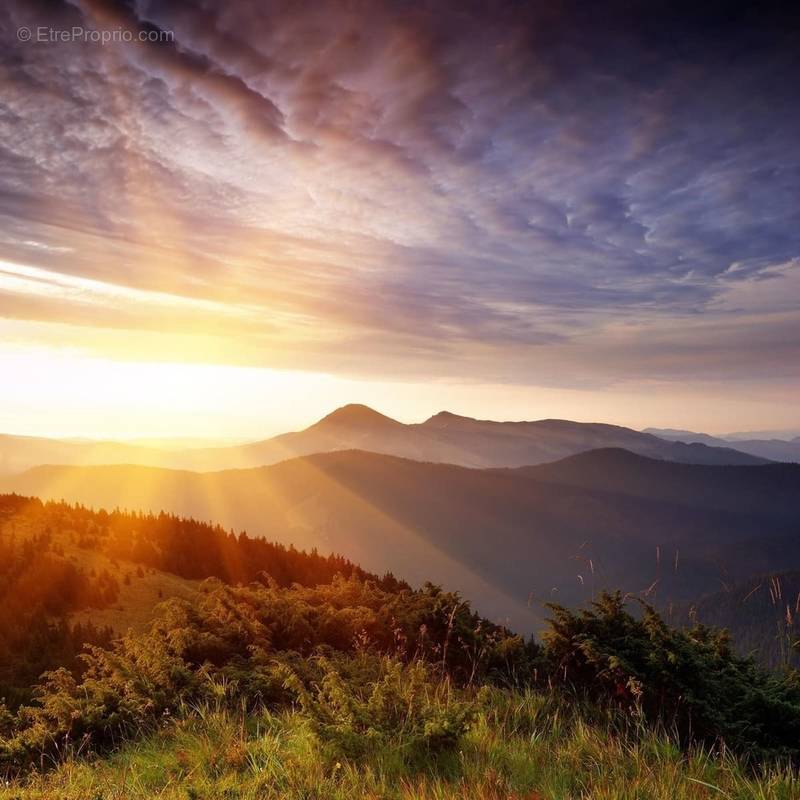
138	598
522	746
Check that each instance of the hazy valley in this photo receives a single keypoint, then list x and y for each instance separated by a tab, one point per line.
509	539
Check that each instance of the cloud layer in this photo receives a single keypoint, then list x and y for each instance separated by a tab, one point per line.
496	191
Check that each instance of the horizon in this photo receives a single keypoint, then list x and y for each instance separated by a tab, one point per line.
189	441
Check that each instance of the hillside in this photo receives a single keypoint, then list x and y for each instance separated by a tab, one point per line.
444	438
769	490
69	575
349	690
762	615
293	675
507	539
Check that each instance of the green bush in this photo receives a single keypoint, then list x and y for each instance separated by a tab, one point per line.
366	665
242	637
366	703
687	680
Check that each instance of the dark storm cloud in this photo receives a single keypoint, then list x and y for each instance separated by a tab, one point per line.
504	183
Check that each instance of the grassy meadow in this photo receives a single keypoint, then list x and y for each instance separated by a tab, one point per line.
520	746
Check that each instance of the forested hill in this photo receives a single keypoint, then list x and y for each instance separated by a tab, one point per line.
59	562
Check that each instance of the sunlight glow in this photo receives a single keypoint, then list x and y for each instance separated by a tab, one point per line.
69	392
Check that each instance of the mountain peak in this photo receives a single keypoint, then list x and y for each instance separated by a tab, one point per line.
357	414
445	418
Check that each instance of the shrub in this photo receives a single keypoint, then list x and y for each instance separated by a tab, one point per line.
362	704
240	637
366	665
689	680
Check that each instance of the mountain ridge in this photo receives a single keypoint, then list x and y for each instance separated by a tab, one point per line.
451	438
444	438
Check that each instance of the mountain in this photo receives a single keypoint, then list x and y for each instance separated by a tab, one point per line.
524	443
452	439
771	449
506	538
358	427
444	438
768	491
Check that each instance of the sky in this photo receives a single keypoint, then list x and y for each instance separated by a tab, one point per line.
224	219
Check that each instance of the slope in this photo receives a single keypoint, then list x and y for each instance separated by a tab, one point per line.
506	538
761	613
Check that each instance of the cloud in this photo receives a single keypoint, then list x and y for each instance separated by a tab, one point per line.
510	190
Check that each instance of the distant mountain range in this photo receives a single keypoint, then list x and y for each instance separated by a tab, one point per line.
444	438
507	538
772	449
